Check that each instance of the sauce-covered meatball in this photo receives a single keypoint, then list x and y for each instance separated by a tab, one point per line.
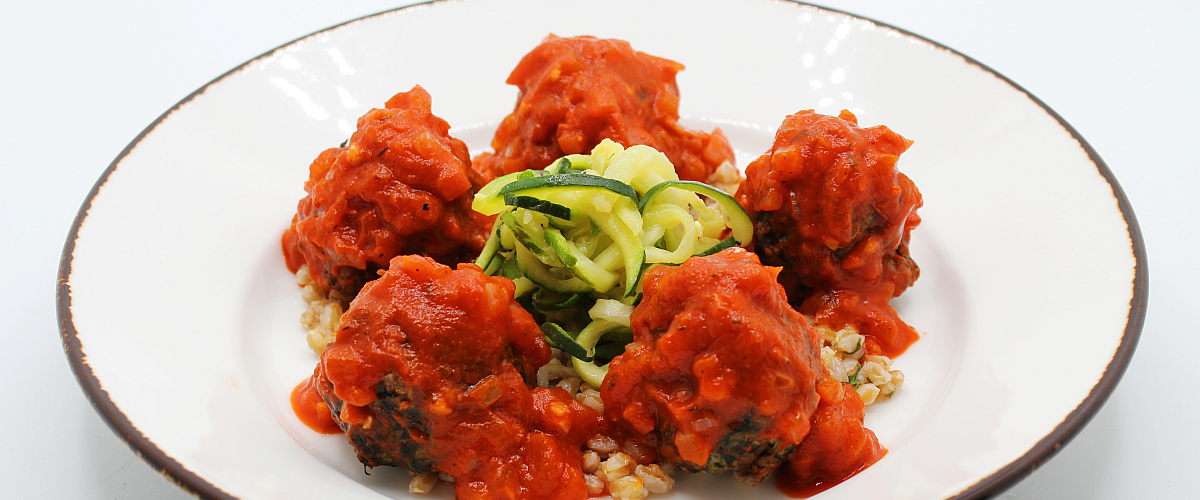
721	367
432	369
578	91
400	186
830	207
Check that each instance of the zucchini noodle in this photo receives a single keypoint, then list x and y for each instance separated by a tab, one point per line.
578	235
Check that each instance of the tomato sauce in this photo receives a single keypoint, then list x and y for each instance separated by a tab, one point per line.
431	370
869	313
830	207
401	185
837	448
311	409
578	91
720	375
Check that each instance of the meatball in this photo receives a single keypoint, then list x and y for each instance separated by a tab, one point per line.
727	377
576	92
431	370
400	186
830	207
417	343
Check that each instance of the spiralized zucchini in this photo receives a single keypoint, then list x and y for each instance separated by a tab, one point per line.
577	237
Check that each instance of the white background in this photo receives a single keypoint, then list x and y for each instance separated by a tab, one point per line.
79	80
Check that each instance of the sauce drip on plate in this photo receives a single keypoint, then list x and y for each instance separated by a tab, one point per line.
311	409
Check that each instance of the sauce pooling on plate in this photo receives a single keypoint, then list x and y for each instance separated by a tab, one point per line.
311	409
837	447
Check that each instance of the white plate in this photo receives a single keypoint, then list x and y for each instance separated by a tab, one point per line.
180	319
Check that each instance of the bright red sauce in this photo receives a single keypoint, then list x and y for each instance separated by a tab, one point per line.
401	185
735	357
311	409
836	449
830	207
869	313
431	370
790	485
456	339
578	91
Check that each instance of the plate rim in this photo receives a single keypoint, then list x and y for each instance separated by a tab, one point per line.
1000	480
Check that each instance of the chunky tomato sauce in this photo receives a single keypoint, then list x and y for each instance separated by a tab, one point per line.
830	207
431	370
721	366
837	447
578	91
400	186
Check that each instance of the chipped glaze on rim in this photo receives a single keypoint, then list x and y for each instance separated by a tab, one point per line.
996	482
